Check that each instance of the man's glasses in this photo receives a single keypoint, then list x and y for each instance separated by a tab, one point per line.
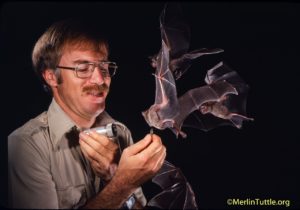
85	70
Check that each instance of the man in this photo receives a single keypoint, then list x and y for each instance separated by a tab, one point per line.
52	162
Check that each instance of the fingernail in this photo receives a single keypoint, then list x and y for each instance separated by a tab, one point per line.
83	135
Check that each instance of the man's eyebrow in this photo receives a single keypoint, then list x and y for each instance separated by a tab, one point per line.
87	61
81	61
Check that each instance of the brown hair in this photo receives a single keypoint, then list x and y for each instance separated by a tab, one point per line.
76	33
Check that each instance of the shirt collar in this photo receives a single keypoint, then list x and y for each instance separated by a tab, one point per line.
60	123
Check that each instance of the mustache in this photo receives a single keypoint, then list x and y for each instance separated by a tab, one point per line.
95	88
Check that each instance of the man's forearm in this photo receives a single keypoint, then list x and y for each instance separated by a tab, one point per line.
112	196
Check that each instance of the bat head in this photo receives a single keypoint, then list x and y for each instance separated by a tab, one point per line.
206	108
153	60
152	118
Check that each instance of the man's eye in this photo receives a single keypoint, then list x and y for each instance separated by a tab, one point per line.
104	71
83	70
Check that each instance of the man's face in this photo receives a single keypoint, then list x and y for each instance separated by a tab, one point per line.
81	97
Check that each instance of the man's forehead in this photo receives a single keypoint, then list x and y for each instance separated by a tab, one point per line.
85	45
82	51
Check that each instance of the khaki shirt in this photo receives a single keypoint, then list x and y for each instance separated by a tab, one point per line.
46	168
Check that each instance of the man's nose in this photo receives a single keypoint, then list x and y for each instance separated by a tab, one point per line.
97	77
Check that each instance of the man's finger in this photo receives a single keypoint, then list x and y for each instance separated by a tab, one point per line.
153	148
104	141
139	146
91	153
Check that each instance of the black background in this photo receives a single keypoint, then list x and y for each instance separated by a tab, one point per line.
261	42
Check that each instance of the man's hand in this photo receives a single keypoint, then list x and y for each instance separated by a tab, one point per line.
141	161
101	152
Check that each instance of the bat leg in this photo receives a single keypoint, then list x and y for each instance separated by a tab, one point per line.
182	134
178	131
238	119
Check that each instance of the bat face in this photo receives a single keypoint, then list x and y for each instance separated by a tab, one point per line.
215	108
153	61
152	118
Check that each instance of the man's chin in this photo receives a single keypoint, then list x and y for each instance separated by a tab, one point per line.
94	111
96	98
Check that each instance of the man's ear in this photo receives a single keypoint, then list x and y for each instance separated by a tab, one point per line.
50	78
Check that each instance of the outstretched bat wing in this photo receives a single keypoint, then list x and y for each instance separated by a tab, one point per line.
175	32
204	122
193	99
180	65
223	72
234	103
231	110
177	192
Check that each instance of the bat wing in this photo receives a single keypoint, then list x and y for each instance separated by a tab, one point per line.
180	65
235	103
166	93
204	122
174	30
223	72
177	192
193	99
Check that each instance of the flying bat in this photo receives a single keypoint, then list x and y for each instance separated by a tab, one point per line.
177	192
221	102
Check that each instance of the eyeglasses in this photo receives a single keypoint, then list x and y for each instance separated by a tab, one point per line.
85	70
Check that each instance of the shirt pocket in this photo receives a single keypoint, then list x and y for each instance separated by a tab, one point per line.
71	197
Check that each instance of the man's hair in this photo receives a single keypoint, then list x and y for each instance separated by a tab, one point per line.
73	33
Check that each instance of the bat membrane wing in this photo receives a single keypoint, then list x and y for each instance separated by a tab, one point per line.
177	192
205	122
180	65
222	72
174	30
166	93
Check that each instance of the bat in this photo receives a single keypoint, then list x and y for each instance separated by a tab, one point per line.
177	192
162	113
172	59
223	98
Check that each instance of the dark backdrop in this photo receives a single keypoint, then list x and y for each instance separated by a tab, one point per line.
261	42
